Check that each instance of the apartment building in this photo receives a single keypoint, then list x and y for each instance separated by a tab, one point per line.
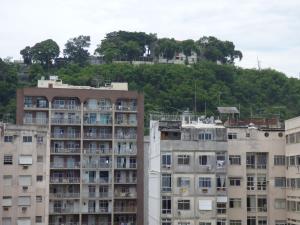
292	127
96	150
24	174
187	171
204	173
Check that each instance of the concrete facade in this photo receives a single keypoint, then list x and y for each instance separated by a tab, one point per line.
24	175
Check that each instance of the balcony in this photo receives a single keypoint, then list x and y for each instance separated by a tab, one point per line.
94	151
96	165
97	122
94	136
96	180
125	180
126	123
65	223
97	194
65	180
97	223
65	150
35	121
125	136
98	108
35	106
64	195
126	166
100	210
62	210
125	108
65	165
125	151
125	209
120	194
69	121
65	106
65	136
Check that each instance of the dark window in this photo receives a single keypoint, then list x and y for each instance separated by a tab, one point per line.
8	138
27	139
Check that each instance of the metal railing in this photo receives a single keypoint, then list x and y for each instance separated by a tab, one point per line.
97	136
70	165
125	108
63	210
128	209
97	122
65	106
97	194
126	122
65	150
98	108
64	195
120	194
65	121
64	180
39	121
125	136
125	180
125	151
97	151
94	165
96	181
66	136
65	223
126	166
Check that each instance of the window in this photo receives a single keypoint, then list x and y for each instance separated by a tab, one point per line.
27	139
25	180
23	221
183	182
166	221
250	160
235	181
166	160
261	182
204	223
25	160
250	183
39	198
166	182
166	205
6	221
221	207
24	201
279	160
8	160
205	136
280	222
183	205
39	159
221	221
183	159
220	160
221	182
280	203
251	220
39	178
6	201
292	160
235	159
261	203
251	205
232	136
280	182
235	203
203	160
7	180
183	223
38	219
235	222
8	138
262	221
39	140
204	182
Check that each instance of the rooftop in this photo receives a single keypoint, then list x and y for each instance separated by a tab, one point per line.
54	82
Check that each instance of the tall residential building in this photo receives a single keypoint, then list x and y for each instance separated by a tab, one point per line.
292	149
96	150
203	173
187	172
24	175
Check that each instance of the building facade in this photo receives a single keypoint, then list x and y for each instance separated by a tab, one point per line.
24	175
203	173
96	150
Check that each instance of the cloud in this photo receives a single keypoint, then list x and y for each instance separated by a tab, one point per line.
268	29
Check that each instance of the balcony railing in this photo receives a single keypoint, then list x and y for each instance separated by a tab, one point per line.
64	195
98	223
97	194
125	209
94	151
126	123
125	151
125	180
96	180
101	122
39	121
64	180
65	223
63	210
66	106
65	136
100	210
96	165
125	136
71	121
97	136
99	108
126	166
65	150
65	165
125	108
34	106
120	194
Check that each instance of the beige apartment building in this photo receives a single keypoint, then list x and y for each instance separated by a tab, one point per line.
202	172
96	150
24	175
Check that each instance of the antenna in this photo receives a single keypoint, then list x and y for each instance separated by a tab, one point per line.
258	64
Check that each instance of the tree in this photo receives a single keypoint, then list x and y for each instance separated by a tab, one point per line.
45	52
167	48
132	50
187	46
27	55
76	49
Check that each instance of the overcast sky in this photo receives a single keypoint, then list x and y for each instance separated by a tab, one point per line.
265	29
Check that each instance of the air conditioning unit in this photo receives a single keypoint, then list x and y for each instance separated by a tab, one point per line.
24	209
168	166
25	188
204	190
178	212
5	208
25	167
